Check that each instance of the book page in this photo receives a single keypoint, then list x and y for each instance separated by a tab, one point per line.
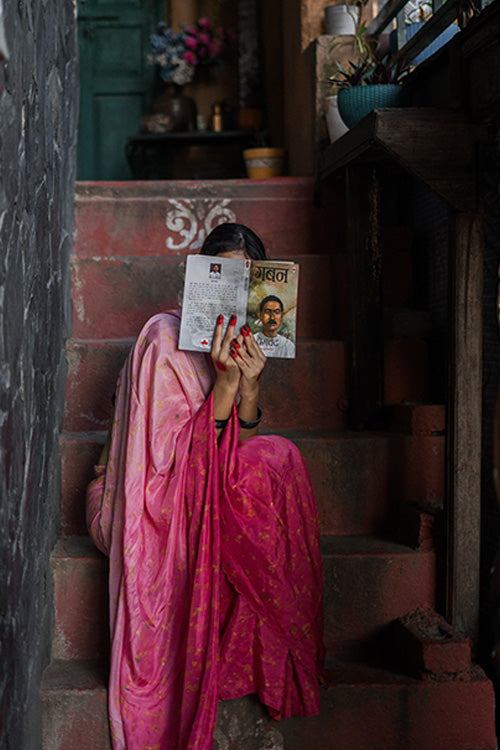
272	306
212	286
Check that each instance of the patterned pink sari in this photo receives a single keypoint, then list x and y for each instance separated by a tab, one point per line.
215	571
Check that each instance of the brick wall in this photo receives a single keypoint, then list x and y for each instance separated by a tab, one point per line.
38	110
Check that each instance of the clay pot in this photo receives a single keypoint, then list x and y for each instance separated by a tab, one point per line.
263	163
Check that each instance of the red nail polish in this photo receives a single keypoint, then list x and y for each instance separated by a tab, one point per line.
245	330
235	343
220	319
220	366
233	353
232	320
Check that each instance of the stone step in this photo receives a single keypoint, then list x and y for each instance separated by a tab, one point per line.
363	482
174	217
363	708
114	296
371	708
80	574
93	367
368	583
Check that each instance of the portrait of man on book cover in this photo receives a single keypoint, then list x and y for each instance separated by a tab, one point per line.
270	316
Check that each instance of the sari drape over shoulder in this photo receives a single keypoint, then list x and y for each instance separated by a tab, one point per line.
215	572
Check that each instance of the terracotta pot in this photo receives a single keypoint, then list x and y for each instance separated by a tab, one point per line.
263	163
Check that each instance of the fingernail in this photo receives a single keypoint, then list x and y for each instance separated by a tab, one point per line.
232	320
233	353
245	330
220	366
220	319
235	344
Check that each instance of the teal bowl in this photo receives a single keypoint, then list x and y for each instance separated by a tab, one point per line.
358	101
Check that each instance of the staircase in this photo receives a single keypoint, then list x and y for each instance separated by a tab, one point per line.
402	679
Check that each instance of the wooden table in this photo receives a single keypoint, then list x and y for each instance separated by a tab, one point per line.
194	155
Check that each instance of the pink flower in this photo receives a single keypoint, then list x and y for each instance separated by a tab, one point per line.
190	42
190	58
204	39
205	24
192	30
214	47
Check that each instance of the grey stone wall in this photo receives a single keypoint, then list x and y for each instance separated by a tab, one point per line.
38	111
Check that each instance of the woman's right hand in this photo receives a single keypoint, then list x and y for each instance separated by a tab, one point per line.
228	373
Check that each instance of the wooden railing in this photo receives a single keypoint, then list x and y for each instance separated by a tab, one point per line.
444	14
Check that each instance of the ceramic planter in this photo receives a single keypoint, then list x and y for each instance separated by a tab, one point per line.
263	163
356	102
341	20
335	124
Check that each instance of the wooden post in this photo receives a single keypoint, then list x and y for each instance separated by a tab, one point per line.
366	361
463	512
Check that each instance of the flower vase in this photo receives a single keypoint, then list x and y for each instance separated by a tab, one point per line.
177	107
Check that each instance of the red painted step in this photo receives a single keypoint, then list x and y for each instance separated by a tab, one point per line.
113	297
368	583
364	708
286	402
351	497
174	217
80	575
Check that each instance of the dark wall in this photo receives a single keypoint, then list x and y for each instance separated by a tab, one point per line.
37	167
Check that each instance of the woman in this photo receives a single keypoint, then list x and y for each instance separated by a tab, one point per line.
212	535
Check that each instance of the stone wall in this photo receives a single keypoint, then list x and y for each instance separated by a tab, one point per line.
38	111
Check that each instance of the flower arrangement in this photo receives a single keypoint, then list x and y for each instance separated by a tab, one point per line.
179	54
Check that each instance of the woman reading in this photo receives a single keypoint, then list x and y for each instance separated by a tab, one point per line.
212	536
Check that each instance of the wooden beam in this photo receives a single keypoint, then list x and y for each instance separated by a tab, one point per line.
385	16
463	511
434	145
366	344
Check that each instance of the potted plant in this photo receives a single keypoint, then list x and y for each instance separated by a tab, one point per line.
263	161
367	84
340	52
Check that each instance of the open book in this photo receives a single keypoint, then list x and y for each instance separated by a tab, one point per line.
262	293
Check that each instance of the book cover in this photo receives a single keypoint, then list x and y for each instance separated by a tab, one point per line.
262	293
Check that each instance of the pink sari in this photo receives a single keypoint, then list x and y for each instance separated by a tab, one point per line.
215	571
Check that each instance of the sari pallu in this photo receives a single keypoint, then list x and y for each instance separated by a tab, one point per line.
215	573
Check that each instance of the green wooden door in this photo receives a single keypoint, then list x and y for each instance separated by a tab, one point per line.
115	81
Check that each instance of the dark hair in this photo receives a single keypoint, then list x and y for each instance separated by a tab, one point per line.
271	298
230	236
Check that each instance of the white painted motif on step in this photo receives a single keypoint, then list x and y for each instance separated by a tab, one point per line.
193	219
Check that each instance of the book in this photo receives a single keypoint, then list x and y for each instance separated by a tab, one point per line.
262	293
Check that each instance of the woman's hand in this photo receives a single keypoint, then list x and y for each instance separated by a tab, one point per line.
228	373
251	361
